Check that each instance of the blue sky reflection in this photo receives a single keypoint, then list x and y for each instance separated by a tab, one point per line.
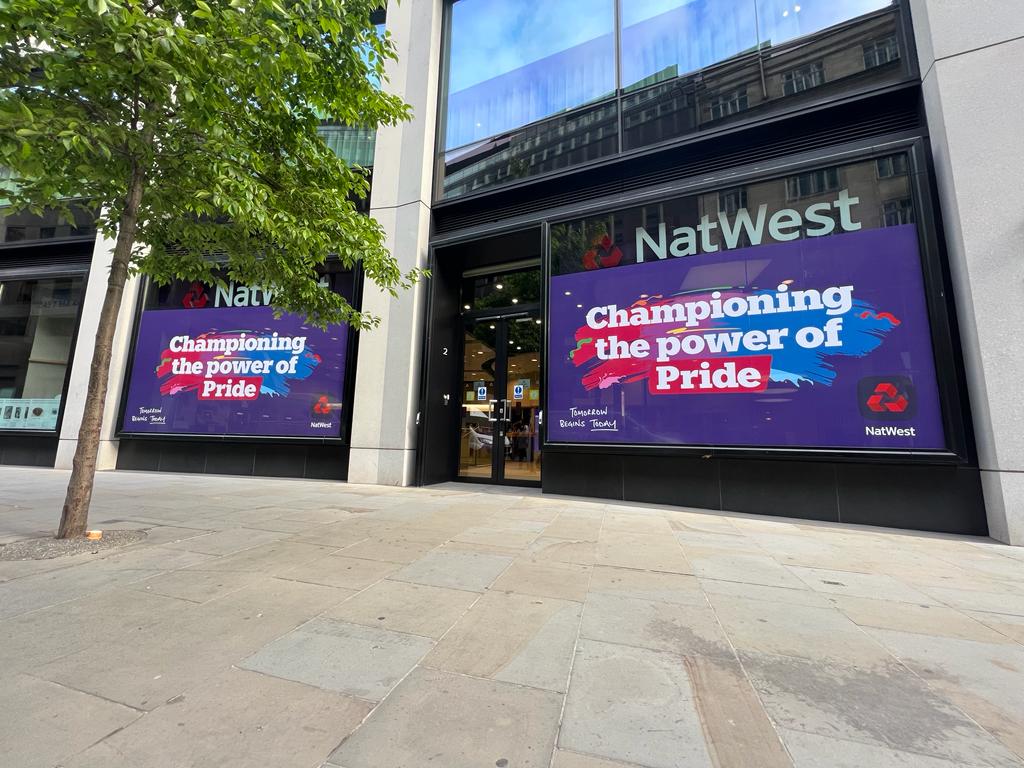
516	62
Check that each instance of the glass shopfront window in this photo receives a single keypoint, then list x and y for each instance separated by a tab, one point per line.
25	226
37	325
513	63
786	313
534	85
216	360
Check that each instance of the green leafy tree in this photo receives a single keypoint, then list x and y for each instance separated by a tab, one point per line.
191	128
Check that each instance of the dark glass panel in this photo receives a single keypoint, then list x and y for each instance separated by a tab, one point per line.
37	324
24	225
502	290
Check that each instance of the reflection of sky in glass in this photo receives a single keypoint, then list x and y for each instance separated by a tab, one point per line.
674	37
514	62
492	37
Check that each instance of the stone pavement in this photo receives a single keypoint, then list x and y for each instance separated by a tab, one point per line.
278	623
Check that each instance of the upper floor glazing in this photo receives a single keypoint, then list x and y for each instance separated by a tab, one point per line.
535	86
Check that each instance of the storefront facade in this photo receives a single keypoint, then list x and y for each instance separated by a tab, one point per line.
744	296
692	253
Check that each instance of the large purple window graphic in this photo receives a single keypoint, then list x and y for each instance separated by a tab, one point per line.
797	323
216	362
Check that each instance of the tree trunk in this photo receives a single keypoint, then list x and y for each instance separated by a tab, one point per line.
75	515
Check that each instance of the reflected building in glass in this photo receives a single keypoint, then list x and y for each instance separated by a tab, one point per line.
683	69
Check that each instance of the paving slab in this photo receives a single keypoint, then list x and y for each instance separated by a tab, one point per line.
868	585
994	598
927	619
557	550
41	723
680	629
339	656
736	726
273	558
648	585
227	541
633	705
147	668
54	587
340	571
516	638
887	706
389	549
820	634
643	551
457	722
32	639
402	606
729	565
788	595
812	751
985	680
566	759
506	537
197	586
574	528
564	581
238	720
1007	625
472	571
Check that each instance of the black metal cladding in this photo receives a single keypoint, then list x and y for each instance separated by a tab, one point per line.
886	114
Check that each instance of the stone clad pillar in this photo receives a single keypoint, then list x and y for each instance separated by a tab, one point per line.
388	372
971	55
81	360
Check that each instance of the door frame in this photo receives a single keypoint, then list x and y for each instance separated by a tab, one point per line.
502	317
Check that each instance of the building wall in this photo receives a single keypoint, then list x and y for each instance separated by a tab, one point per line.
967	52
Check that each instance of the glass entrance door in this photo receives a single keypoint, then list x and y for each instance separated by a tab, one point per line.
499	437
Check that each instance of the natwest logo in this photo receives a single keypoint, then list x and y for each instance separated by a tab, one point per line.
323	406
887	398
195	297
603	253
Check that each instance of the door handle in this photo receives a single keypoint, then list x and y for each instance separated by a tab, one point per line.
490	412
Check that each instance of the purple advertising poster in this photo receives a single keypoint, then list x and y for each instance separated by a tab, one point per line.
235	370
818	343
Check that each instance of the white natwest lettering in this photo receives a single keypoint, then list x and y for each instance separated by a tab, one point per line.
782	226
235	295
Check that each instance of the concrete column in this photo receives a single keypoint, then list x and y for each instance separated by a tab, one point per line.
78	385
971	53
388	374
